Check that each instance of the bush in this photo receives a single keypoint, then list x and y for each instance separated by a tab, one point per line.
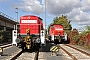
73	36
5	36
82	39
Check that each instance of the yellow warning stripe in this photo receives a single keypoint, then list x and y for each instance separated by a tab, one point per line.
57	50
54	49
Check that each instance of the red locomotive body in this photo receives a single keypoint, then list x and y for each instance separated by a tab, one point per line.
33	23
57	33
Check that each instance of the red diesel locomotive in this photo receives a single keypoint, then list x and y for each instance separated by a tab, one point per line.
57	33
30	32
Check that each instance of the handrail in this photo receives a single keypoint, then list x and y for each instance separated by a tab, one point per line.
1	13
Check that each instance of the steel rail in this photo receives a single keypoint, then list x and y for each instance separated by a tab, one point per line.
4	46
36	55
74	58
17	55
79	50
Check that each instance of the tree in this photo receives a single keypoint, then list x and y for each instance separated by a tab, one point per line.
88	28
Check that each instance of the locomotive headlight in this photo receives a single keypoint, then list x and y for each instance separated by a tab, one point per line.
17	40
38	40
14	34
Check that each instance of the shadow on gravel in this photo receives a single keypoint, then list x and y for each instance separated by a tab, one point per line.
31	50
46	48
42	48
5	55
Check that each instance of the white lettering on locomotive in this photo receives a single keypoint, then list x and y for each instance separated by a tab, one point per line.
59	29
28	21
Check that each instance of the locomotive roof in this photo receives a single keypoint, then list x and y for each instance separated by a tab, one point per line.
56	24
31	16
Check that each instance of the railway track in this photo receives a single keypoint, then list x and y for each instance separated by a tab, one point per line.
5	46
74	53
24	55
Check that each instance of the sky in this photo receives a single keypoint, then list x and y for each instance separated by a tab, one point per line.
77	11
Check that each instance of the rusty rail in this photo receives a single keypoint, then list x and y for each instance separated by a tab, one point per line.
74	58
17	55
79	50
36	55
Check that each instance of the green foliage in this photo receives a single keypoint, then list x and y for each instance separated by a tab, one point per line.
1	27
1	36
88	28
76	38
84	33
49	27
73	36
5	36
83	40
81	43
